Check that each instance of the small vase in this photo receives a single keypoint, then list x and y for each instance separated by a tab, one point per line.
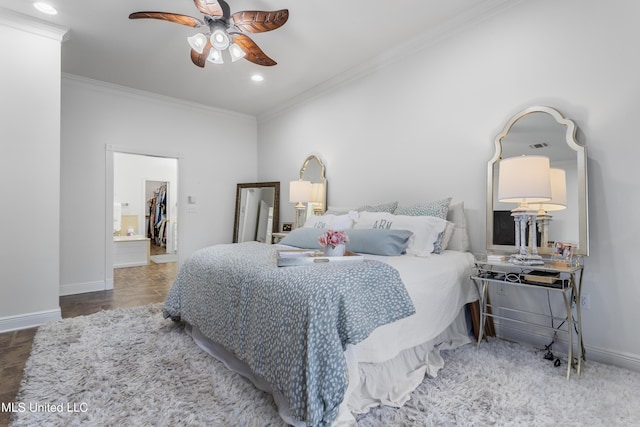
338	250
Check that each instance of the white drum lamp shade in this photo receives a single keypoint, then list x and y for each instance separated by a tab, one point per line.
558	200
524	180
317	192
299	191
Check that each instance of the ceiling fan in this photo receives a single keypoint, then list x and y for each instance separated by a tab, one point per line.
223	31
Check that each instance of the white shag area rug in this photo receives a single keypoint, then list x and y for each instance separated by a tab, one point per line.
132	367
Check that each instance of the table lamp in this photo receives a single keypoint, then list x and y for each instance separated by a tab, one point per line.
317	197
558	202
525	180
299	193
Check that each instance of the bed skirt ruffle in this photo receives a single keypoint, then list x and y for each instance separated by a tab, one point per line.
389	383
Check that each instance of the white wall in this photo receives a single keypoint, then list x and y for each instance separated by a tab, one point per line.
423	127
217	149
29	171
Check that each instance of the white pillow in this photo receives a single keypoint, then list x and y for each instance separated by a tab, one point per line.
331	221
448	232
425	229
459	240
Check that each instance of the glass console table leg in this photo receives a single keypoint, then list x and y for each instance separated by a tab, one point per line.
483	310
567	305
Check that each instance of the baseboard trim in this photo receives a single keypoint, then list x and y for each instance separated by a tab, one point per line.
597	354
29	320
131	264
81	288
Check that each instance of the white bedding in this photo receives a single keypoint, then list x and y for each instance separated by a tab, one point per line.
439	286
392	361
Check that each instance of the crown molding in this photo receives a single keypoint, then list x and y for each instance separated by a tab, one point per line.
460	23
32	25
138	93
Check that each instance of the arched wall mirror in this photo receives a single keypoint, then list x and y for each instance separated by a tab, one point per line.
542	131
257	212
313	170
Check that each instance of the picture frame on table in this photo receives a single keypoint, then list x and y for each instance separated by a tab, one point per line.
563	254
287	226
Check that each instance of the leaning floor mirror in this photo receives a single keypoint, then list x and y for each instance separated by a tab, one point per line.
257	212
541	131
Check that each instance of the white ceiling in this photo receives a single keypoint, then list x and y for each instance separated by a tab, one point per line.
322	42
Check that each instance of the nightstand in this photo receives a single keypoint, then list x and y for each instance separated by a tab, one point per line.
559	279
276	237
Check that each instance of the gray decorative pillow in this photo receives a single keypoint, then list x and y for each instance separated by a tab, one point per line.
365	241
378	241
304	238
331	210
385	207
459	240
437	208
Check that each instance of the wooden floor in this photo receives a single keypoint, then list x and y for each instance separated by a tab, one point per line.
133	286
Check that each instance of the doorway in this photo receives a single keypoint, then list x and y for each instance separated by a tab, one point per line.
136	178
160	225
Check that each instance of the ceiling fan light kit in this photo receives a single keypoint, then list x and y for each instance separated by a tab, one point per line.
236	52
219	39
197	42
215	57
224	31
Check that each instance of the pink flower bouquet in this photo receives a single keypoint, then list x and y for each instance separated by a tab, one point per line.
333	238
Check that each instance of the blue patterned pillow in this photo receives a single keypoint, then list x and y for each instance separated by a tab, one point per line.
385	207
438	208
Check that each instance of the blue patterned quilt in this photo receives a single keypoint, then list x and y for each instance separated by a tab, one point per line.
289	324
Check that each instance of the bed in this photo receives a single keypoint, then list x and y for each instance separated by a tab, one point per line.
328	341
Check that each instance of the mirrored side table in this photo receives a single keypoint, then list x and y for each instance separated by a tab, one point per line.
566	280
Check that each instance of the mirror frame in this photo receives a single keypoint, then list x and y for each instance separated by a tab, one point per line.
276	204
581	158
322	176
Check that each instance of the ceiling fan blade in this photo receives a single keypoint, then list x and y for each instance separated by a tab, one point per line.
253	52
201	58
213	7
171	17
255	21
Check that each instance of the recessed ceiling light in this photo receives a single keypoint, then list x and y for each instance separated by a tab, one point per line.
257	78
45	8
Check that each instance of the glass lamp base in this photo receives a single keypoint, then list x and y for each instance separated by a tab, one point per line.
300	217
526	259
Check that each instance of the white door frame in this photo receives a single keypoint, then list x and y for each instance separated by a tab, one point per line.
109	150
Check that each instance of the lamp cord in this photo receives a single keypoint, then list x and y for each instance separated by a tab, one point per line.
548	348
